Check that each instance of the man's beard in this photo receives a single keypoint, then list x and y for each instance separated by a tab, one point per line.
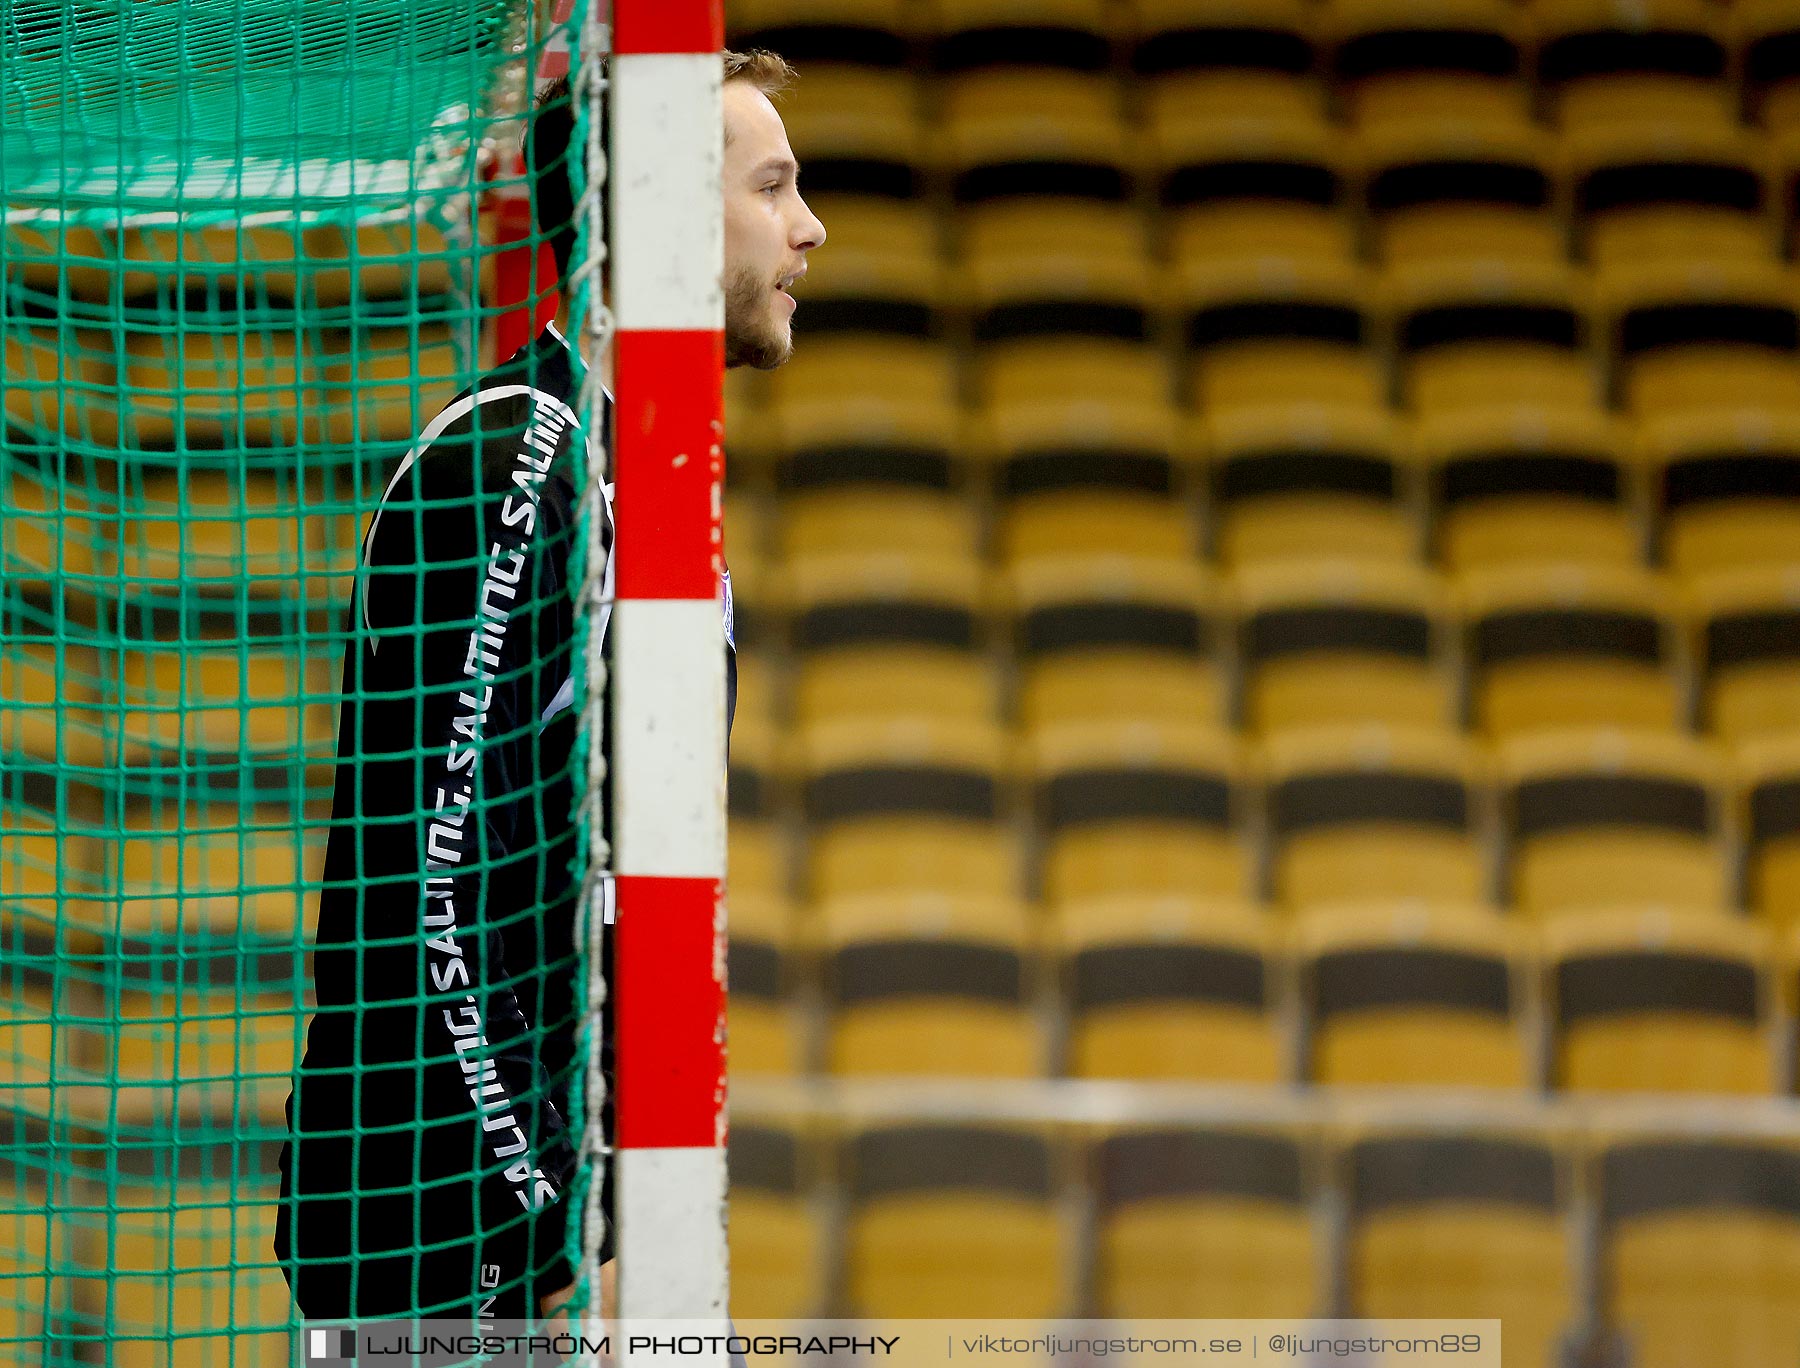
751	337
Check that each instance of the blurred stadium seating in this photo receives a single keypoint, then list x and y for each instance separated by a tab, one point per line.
1374	425
1275	567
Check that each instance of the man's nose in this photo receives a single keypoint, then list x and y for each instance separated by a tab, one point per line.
812	232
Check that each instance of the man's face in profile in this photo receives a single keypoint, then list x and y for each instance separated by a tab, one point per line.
768	230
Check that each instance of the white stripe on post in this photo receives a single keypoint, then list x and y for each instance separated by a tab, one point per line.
675	1190
669	681
671	105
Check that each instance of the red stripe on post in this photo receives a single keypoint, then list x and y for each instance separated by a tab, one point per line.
658	26
669	1013
669	465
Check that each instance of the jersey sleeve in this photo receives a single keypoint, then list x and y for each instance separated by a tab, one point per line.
468	601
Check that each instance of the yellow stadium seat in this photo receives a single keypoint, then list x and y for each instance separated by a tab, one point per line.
1055	264
859	130
1357	813
750	437
1201	1223
952	1220
1064	412
887	273
908	806
1237	188
858	25
762	975
386	382
1699	336
1442	192
1505	331
1556	646
210	870
885	526
46	532
1169	986
330	574
191	1281
1216	60
34	1252
1093	524
1300	479
756	586
1279	331
1596	817
224	379
1409	993
1470	1224
47	695
60	383
1140	808
754	773
209	531
1727	487
756	855
929	983
1323	642
36	1026
778	1252
1452	61
886	642
1746	625
1701	1249
257	264
1764	31
1661	999
1643	194
404	257
1044	238
1767	779
45	247
1030	130
1102	639
867	408
224	698
48	878
215	1019
753	769
1514	485
971	34
1654	61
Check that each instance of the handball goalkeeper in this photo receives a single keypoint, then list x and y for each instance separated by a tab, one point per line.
429	1153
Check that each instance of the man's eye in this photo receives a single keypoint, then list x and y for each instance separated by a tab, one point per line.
769	188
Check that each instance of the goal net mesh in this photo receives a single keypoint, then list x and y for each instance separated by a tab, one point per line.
250	249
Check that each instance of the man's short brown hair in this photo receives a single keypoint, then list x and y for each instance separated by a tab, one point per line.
767	71
553	125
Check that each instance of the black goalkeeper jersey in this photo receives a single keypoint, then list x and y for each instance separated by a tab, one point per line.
429	1153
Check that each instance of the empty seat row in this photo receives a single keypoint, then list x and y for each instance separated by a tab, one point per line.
1172	989
1696	1233
222	378
1548	332
369	267
1564	820
1475	60
1005	133
1088	639
1403	995
1505	482
1234	191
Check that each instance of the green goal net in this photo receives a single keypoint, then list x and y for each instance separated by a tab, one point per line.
245	262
